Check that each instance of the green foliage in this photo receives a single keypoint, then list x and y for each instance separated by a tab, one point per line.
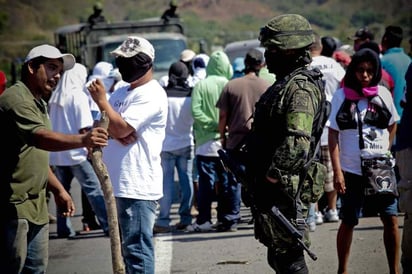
3	21
206	30
324	19
132	15
26	22
365	18
246	20
50	19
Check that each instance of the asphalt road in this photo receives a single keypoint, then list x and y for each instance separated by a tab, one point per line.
213	252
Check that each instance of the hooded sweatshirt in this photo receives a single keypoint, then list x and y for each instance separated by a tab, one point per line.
205	95
69	111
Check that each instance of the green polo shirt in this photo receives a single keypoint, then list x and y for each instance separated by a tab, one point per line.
23	167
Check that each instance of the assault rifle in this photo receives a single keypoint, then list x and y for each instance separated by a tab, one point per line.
232	166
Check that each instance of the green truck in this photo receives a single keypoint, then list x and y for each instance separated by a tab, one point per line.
91	44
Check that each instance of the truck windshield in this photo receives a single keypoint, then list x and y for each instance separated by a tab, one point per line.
167	51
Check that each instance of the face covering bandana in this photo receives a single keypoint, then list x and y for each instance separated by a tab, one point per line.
134	67
282	64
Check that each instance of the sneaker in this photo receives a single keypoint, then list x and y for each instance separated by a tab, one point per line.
318	218
331	216
89	225
68	235
226	227
215	225
161	229
180	226
195	227
86	227
312	226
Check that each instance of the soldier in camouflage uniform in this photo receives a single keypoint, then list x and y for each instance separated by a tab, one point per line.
280	142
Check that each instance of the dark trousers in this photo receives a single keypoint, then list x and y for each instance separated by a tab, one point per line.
291	262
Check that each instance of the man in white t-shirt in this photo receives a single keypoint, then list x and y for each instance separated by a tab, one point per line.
138	114
70	113
333	74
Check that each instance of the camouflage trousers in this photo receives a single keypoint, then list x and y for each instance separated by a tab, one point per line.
273	236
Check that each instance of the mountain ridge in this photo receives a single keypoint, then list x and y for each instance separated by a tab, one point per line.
25	23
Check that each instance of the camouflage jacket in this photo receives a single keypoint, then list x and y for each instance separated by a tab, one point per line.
282	128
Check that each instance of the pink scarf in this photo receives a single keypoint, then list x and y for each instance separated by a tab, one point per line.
355	96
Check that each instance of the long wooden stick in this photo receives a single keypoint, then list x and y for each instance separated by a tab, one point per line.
103	175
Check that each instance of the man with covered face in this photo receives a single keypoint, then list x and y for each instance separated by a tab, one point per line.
138	114
280	142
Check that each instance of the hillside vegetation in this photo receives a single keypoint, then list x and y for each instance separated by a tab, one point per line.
25	23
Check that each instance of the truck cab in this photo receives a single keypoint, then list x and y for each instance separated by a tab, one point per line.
240	48
91	44
168	47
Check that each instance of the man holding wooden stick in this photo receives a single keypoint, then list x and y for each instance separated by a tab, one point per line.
137	115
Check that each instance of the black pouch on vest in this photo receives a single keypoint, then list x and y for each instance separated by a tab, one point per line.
345	117
377	113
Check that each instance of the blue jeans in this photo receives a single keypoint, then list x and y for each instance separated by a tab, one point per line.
210	171
25	247
85	175
182	160
136	221
311	214
229	193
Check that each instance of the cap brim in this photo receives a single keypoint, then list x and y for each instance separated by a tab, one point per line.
187	59
118	52
68	61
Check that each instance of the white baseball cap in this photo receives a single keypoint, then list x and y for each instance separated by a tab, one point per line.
101	70
134	45
187	55
51	52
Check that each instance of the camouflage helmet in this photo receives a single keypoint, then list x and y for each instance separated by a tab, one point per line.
287	31
98	6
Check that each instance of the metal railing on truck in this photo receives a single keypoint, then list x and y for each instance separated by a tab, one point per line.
78	39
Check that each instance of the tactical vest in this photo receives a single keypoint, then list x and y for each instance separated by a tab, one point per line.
273	105
292	196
